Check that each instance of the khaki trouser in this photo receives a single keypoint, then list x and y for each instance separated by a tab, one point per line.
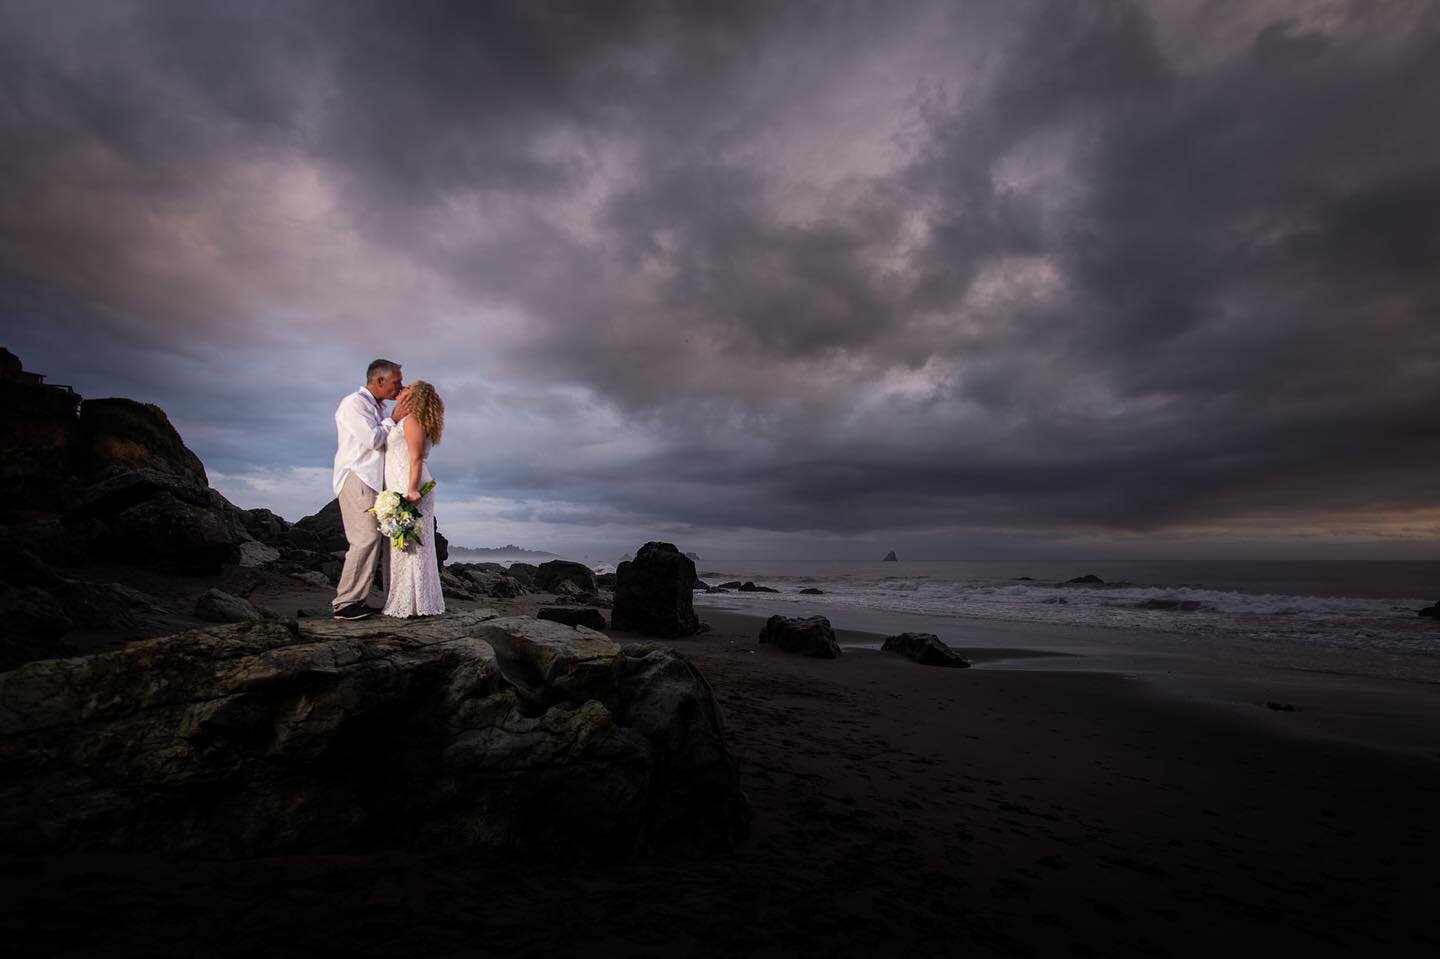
367	543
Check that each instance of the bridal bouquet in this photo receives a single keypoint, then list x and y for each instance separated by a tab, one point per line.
399	518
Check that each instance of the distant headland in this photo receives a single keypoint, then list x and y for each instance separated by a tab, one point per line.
457	552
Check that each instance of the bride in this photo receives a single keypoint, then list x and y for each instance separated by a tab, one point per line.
414	573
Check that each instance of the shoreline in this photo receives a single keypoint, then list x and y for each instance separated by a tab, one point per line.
1387	714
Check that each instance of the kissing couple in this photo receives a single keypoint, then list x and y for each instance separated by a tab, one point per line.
382	452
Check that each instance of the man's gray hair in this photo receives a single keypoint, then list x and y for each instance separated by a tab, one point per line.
380	368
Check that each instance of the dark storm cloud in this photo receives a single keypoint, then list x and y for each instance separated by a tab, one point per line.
787	267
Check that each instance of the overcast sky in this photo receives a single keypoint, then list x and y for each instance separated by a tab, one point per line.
961	279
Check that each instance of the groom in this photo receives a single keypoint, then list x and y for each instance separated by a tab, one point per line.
363	425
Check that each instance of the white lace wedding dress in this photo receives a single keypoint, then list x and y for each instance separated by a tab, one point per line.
414	574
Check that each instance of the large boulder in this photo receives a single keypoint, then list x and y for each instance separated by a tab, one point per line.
509	737
807	636
549	576
653	593
924	648
1431	611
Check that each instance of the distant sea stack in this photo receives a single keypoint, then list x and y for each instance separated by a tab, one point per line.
890	557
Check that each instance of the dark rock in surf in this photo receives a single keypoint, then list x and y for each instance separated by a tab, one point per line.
1090	579
890	557
812	591
749	587
925	649
1432	612
807	636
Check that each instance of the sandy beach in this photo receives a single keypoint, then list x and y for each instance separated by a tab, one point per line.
1007	809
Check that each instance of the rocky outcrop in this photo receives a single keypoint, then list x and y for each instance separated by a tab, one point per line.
812	591
1089	579
549	576
503	736
925	649
585	616
749	587
128	435
653	594
110	479
807	636
1431	611
890	557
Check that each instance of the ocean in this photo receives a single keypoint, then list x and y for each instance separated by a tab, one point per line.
1345	616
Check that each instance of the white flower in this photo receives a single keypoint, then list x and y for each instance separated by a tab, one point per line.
387	504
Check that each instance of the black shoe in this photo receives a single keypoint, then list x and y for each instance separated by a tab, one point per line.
354	611
375	610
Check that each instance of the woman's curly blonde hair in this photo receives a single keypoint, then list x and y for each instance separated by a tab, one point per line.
427	407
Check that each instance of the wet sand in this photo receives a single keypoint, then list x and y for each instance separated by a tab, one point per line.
898	809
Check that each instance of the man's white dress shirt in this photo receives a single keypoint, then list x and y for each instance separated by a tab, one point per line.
363	426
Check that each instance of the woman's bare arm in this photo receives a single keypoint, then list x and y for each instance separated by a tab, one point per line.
415	441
